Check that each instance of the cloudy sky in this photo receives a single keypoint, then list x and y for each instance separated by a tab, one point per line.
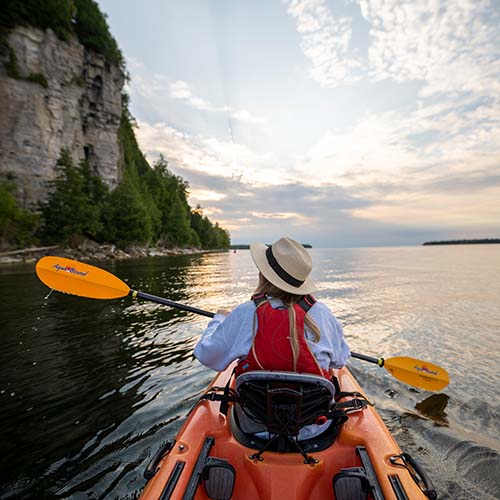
338	122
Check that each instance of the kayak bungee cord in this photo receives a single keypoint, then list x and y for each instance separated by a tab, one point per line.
84	280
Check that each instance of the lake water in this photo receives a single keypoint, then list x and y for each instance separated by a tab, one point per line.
89	389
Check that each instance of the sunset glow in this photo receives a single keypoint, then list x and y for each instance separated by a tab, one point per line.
338	122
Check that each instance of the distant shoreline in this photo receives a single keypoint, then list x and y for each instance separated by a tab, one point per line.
89	250
463	242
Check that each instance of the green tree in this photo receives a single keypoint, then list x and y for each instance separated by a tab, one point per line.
221	239
73	208
126	218
195	239
177	224
211	236
170	194
92	30
17	226
66	18
54	14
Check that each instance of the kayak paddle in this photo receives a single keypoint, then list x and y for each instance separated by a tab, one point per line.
84	280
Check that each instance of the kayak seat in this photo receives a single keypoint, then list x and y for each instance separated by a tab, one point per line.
272	407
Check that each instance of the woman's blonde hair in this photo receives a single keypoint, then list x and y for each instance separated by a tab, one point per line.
288	299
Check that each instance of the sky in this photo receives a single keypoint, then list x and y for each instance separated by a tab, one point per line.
337	122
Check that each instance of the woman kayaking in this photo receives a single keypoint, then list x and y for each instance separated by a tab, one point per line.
283	327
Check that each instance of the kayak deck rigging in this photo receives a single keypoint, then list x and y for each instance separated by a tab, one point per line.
213	456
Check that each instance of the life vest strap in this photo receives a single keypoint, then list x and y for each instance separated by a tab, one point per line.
305	302
259	298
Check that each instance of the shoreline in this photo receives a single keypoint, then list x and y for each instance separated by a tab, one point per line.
93	251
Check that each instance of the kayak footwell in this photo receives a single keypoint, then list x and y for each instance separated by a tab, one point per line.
208	461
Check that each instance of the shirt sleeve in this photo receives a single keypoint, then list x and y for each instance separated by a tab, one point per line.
226	338
331	350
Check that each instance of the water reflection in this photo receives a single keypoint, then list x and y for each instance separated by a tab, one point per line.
433	407
89	389
78	375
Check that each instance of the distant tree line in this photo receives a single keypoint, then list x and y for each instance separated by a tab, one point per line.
148	207
463	242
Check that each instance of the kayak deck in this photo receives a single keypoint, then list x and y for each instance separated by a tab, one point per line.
363	441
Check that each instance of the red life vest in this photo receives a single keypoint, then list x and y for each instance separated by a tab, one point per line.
273	350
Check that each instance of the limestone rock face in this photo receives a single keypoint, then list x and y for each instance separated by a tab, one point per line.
79	110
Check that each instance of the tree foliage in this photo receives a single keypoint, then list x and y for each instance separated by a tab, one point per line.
74	206
149	206
54	14
211	236
164	195
67	18
92	30
127	218
17	226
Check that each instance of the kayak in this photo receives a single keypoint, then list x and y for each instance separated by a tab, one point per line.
214	455
272	435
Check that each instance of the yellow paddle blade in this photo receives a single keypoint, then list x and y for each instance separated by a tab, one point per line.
77	278
417	373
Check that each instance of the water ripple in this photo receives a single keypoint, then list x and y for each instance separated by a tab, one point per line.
90	389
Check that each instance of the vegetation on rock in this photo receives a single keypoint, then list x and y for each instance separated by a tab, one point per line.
66	18
17	226
74	207
148	207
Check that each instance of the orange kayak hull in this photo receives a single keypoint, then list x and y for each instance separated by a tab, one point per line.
280	475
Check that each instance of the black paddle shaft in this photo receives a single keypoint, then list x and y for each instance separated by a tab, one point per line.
183	307
376	361
170	303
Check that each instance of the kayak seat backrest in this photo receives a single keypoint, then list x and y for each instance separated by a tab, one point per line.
284	402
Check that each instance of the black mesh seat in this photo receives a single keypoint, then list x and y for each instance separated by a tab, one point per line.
284	400
282	403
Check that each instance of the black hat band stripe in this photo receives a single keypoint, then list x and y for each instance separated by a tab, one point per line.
280	271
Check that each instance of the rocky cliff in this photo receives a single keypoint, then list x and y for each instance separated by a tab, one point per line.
53	95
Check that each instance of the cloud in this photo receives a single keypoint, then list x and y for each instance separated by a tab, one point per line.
155	86
371	178
447	46
244	204
372	147
426	167
181	90
210	155
436	166
430	139
325	41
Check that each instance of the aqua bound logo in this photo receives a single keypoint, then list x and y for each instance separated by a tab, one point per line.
425	369
69	269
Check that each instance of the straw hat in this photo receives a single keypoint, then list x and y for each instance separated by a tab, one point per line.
286	264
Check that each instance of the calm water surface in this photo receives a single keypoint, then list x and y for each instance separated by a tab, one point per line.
89	389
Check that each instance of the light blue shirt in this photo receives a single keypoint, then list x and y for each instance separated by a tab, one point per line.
228	338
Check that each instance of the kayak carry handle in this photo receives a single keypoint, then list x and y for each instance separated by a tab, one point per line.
417	473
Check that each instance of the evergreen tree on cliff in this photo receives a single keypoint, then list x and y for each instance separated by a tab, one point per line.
73	209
